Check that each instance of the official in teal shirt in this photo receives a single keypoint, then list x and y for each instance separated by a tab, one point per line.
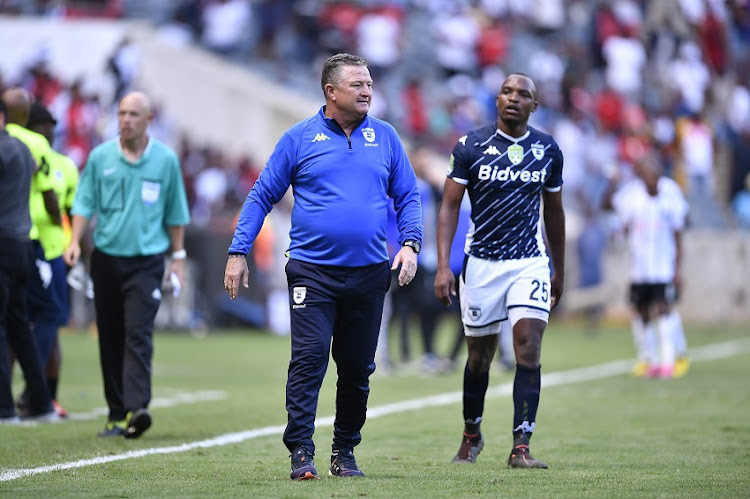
135	202
133	184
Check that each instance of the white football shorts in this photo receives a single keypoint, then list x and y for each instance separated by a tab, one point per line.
493	291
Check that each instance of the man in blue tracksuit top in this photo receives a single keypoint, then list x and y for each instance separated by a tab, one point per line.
343	165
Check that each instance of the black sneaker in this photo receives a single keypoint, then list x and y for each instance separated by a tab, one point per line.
303	464
521	458
113	429
471	446
137	422
343	464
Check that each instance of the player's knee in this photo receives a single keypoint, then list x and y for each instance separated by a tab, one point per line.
479	362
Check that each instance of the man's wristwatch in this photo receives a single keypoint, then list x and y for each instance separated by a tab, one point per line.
415	245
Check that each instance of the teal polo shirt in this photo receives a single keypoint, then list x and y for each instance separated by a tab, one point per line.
134	203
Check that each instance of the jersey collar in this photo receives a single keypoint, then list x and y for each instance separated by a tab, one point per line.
143	156
513	139
334	125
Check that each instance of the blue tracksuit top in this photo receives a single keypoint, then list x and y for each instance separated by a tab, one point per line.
341	187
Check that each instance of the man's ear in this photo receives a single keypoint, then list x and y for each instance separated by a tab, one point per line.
329	88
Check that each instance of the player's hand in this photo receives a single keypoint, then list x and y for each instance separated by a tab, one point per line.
177	267
445	286
236	272
407	259
556	289
72	253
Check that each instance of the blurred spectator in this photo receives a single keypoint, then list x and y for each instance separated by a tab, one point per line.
457	34
227	26
625	59
690	77
696	154
378	36
741	205
124	64
338	25
78	115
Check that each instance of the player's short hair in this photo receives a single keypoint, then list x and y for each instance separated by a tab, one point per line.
332	67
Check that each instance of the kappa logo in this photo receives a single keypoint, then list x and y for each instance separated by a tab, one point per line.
320	137
492	150
462	140
538	151
369	134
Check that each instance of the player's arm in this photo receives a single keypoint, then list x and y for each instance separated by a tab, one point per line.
177	239
445	282
52	205
677	259
73	251
554	222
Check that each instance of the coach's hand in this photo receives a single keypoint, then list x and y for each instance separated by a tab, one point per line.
235	273
408	261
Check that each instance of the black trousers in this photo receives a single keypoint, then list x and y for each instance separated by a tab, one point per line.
127	295
16	260
336	310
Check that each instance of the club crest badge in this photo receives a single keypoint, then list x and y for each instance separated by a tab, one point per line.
515	154
369	134
538	151
298	294
475	313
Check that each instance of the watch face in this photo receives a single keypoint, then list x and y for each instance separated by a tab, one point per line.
414	245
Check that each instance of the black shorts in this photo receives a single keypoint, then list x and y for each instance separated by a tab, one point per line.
642	295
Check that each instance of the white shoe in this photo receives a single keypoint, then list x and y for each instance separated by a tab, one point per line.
10	420
45	417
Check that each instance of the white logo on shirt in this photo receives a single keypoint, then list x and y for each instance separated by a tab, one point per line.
369	134
109	171
515	153
320	137
299	294
492	150
538	151
150	192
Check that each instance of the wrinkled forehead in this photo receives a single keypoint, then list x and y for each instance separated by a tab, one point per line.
355	73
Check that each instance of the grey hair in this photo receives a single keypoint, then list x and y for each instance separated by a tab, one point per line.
332	67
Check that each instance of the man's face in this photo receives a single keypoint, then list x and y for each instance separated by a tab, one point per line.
133	116
516	100
352	94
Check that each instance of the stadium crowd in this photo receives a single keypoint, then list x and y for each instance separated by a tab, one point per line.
616	77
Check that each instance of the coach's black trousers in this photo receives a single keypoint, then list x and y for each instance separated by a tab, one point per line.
16	260
127	295
336	310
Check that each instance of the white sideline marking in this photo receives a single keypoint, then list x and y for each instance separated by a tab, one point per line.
177	399
708	352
